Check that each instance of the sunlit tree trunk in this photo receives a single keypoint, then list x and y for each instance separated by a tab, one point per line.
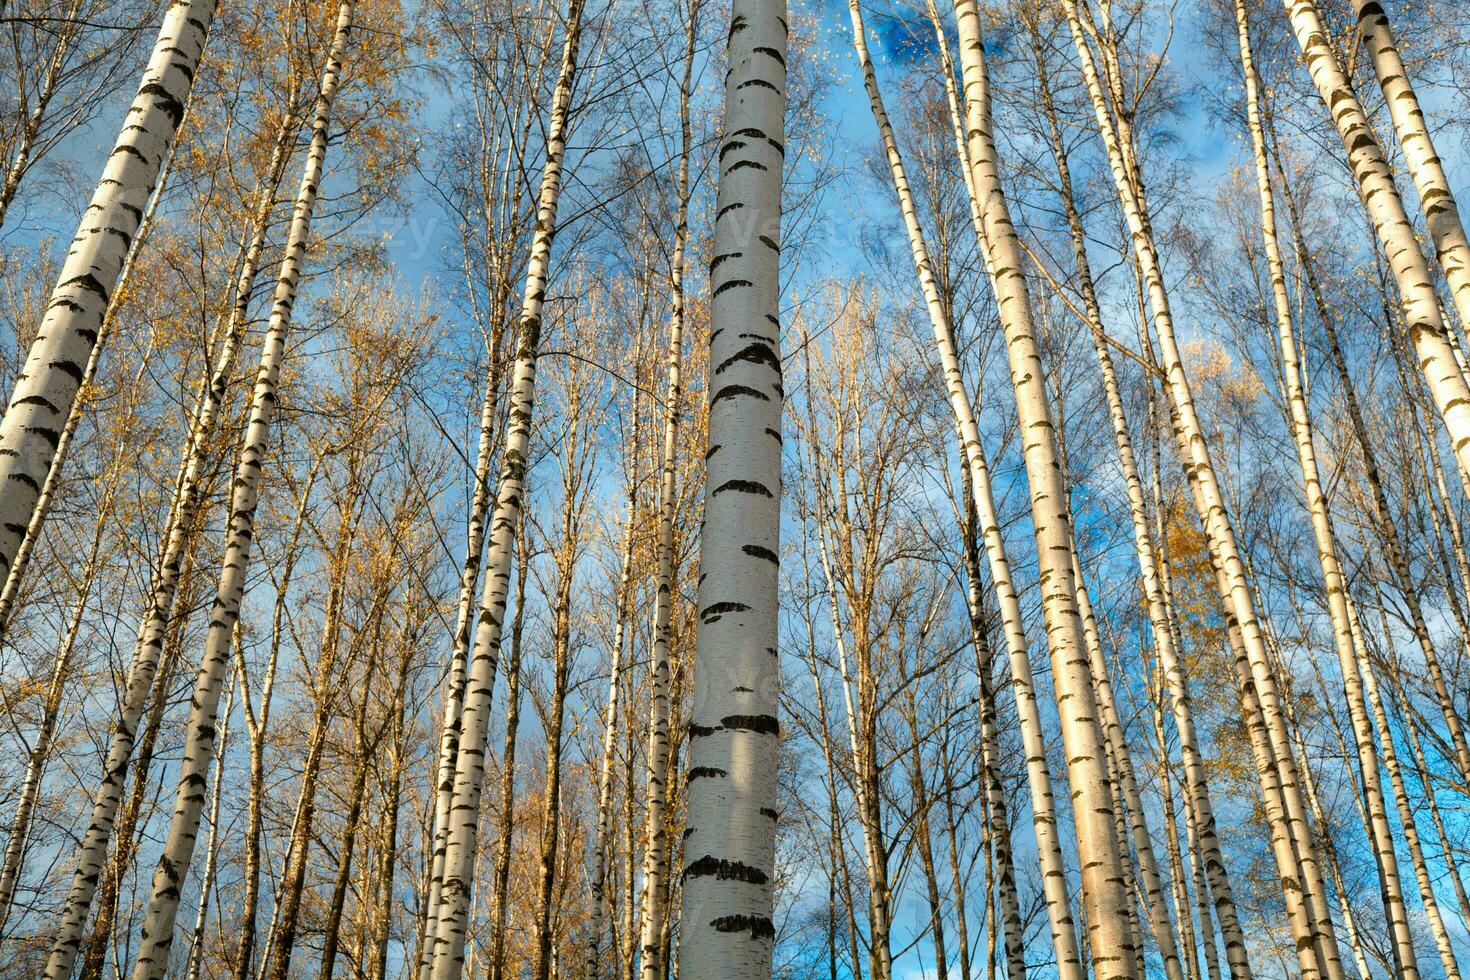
195	961
1112	950
48	384
623	600
43	740
10	594
1393	544
1299	418
1297	862
500	883
178	850
1054	881
1405	805
726	927
257	724
1196	783
454	686
158	613
1441	212
656	852
449	920
1427	329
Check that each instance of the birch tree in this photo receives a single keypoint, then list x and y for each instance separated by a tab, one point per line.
158	926
43	395
726	926
450	917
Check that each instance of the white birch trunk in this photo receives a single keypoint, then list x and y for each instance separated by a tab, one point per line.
1405	806
178	530
598	914
1441	211
449	919
10	595
211	861
1419	303
48	384
449	724
1300	870
178	850
1380	834
1054	880
1104	900
656	852
727	932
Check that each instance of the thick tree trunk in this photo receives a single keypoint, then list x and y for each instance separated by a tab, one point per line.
727	931
1420	304
1441	212
48	385
10	594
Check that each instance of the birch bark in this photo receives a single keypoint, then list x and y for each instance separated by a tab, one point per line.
727	931
178	850
49	382
449	919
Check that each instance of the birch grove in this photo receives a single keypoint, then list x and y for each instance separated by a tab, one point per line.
592	491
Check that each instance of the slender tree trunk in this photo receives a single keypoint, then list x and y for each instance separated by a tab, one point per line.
554	720
48	385
500	890
449	919
1112	949
40	754
91	853
125	845
727	931
1300	871
258	725
1299	418
623	601
1393	544
1127	789
1183	910
923	804
332	931
1054	881
67	29
1196	783
1405	806
178	850
1426	785
195	959
454	687
656	852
